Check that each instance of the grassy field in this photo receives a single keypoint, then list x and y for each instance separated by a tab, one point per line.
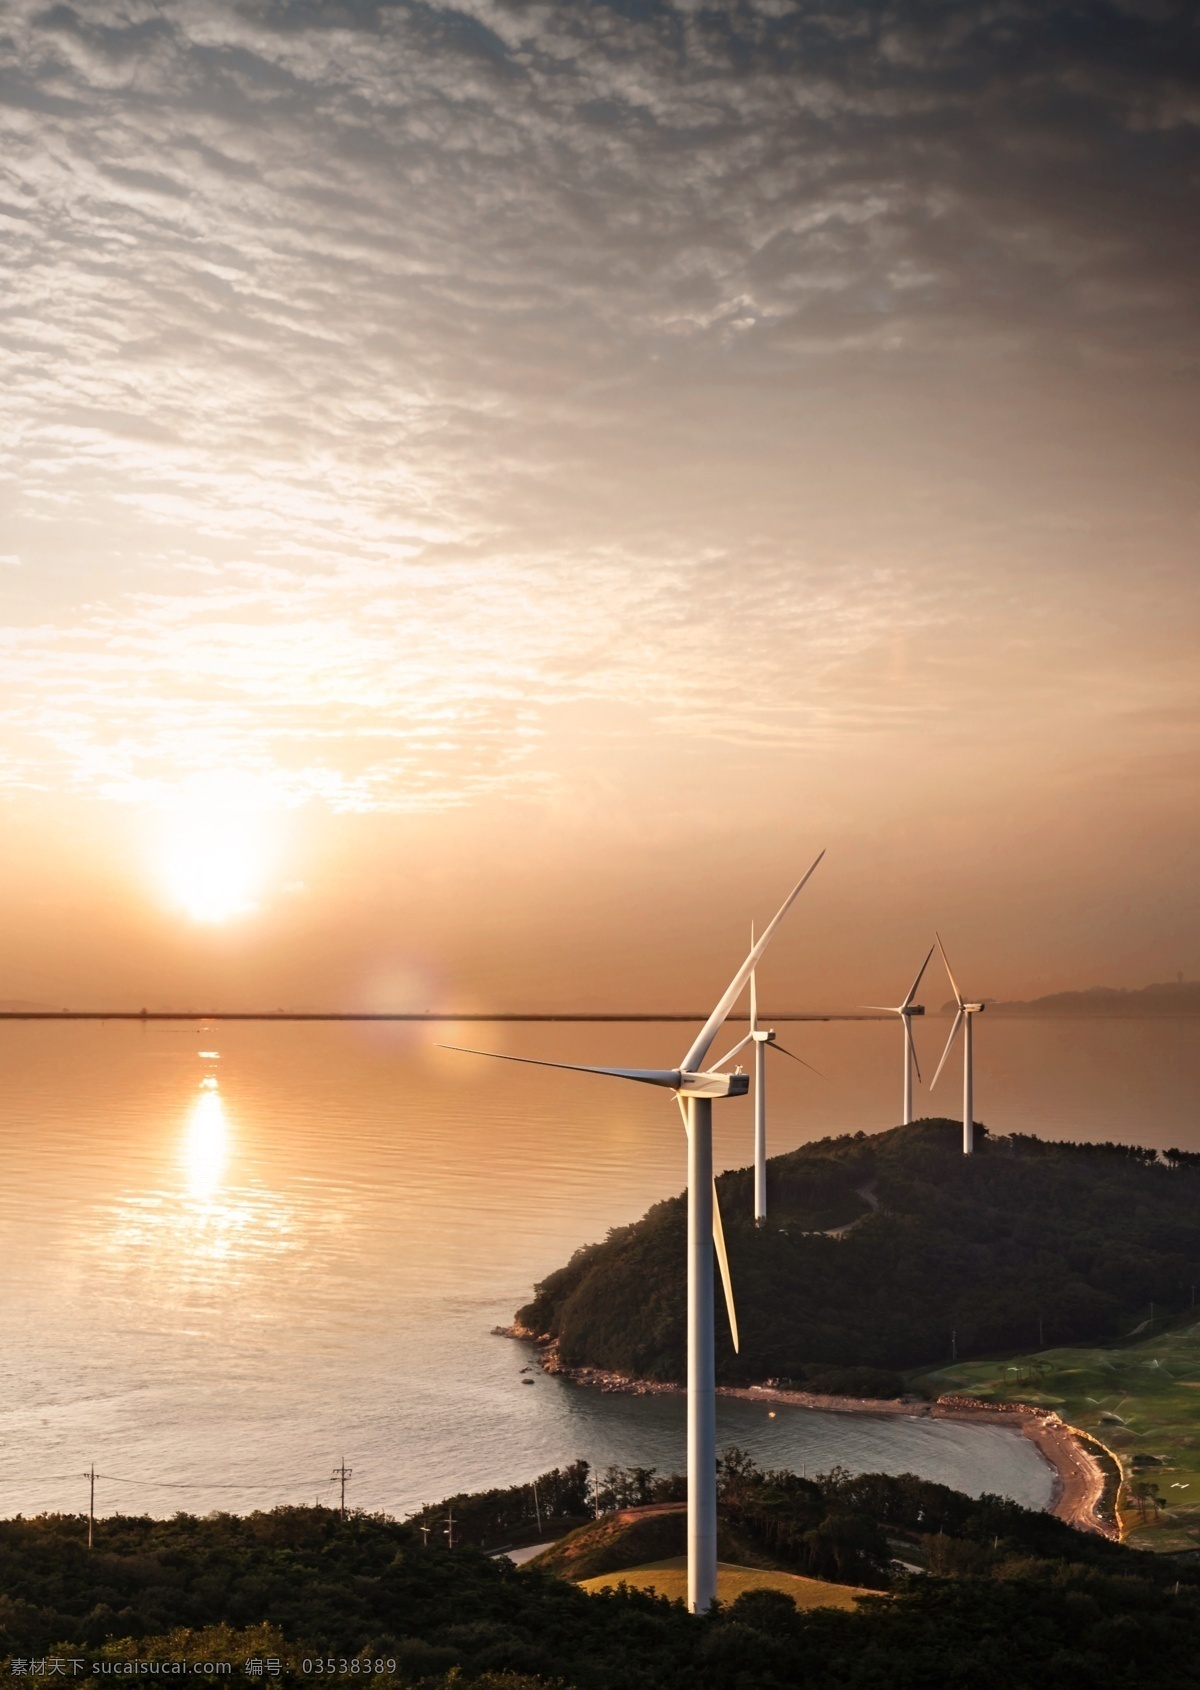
1140	1398
669	1578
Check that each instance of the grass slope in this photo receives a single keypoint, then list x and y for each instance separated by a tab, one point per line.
615	1541
1141	1399
635	1536
669	1578
1077	1236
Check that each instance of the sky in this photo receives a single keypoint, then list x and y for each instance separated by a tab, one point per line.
488	492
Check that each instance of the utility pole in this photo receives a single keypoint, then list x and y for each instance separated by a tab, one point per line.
90	1476
343	1473
537	1508
450	1529
425	1537
954	1346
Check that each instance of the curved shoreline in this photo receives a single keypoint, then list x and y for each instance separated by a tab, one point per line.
1079	1481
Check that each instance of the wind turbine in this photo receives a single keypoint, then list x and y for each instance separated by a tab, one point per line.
762	1038
906	1011
695	1087
962	1019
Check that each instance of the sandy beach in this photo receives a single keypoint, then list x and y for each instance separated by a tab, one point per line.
1079	1478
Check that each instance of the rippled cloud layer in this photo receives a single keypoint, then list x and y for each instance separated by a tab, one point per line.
383	379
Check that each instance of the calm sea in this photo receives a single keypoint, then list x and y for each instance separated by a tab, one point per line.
231	1256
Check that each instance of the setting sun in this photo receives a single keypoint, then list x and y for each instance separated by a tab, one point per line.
213	863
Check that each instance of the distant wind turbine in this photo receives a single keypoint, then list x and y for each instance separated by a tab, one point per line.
906	1011
962	1019
762	1038
695	1087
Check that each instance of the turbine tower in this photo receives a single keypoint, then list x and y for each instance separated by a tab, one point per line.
962	1019
906	1011
695	1087
761	1040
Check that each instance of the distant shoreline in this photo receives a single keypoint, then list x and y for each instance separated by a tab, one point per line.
1174	1003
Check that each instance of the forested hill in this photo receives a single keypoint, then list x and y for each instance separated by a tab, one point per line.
1026	1243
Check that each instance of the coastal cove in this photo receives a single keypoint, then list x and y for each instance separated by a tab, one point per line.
976	1455
1082	1473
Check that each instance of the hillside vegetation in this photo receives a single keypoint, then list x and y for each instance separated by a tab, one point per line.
1010	1597
1027	1242
842	1527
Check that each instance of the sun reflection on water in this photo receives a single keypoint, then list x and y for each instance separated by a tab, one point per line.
207	1231
206	1146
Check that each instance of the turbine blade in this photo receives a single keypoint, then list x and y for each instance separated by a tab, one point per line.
718	1241
666	1077
912	990
958	997
733	991
883	1008
912	1049
723	1263
738	1046
753	989
783	1051
958	1021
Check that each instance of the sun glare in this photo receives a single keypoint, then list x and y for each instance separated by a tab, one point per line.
214	862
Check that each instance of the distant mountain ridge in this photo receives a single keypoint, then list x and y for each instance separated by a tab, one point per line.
1166	998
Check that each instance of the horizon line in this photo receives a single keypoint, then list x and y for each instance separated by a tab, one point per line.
404	1015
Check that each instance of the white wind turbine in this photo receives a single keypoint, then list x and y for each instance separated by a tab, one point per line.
906	1011
963	1019
762	1037
695	1087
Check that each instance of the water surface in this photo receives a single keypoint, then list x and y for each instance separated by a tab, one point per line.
231	1255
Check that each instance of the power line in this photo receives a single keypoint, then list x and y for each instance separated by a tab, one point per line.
176	1484
162	1484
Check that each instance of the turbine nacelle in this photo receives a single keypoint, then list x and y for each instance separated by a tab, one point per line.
713	1085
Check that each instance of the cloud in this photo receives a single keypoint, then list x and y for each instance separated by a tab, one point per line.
382	378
